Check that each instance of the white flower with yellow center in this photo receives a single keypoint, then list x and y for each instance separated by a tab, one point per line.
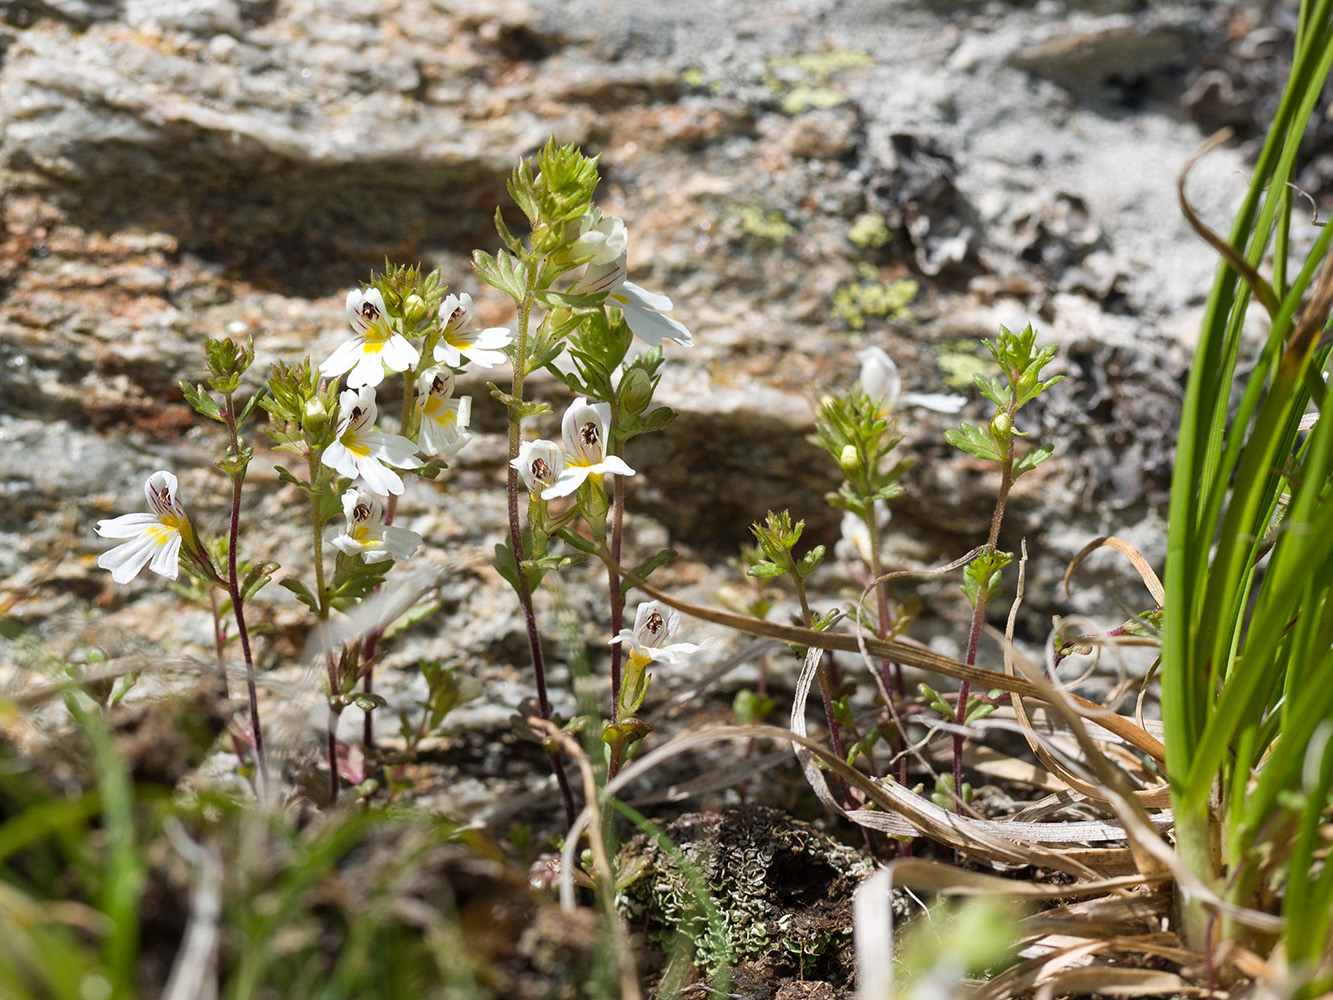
444	420
365	533
457	342
362	451
154	538
584	429
642	308
374	346
881	382
655	625
539	464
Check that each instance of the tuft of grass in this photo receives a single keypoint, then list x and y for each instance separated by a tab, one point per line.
1247	661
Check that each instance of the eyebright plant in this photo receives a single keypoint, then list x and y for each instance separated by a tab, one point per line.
1020	382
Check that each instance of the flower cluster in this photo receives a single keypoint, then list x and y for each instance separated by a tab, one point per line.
380	344
551	472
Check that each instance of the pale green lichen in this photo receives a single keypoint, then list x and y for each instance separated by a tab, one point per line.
764	226
802	99
692	77
821	65
960	362
857	302
802	79
869	230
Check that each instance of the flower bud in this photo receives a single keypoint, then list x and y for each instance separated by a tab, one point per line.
1001	426
849	461
315	414
414	310
636	391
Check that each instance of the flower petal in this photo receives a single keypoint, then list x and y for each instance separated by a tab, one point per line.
344	357
653	328
125	561
167	560
570	480
126	526
612	464
655	301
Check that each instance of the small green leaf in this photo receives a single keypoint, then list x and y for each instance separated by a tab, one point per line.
574	539
369	701
287	477
811	560
504	564
489	270
974	441
257	579
301	591
1033	458
765	570
645	569
203	403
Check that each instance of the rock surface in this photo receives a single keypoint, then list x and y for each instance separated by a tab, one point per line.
179	170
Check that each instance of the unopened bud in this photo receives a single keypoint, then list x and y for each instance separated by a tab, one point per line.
849	461
1001	426
315	414
414	310
636	391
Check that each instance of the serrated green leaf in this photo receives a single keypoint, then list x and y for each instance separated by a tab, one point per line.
1033	458
765	570
975	441
287	477
203	403
810	560
490	270
251	403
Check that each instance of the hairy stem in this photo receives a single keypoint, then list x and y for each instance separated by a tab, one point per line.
516	534
898	686
979	613
330	663
617	598
237	598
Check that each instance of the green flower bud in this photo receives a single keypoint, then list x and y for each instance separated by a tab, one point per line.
1001	427
636	391
315	414
414	310
849	461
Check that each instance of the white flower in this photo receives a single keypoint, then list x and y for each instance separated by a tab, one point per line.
444	420
880	380
457	342
650	640
365	533
539	463
603	236
584	430
154	538
642	308
373	347
361	451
